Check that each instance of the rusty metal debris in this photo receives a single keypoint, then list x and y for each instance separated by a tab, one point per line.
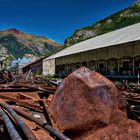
27	131
29	97
10	127
46	112
42	124
51	112
22	103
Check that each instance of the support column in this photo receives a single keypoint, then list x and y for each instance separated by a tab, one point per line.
118	67
60	71
96	62
87	64
133	66
67	67
106	67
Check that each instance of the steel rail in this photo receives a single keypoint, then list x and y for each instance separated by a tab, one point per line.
10	127
50	129
26	130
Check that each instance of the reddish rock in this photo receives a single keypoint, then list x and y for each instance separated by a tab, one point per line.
87	105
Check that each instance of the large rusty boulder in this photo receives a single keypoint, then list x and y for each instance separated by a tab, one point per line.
87	104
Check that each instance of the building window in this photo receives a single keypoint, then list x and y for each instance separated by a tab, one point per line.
126	68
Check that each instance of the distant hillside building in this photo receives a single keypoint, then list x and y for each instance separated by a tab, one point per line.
113	54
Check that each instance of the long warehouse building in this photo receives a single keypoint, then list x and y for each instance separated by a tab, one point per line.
115	53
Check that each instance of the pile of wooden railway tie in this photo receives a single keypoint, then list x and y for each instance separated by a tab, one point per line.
21	99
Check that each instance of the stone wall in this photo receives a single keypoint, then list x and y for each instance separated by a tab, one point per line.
49	67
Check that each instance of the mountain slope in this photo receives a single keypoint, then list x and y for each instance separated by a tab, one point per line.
16	44
118	20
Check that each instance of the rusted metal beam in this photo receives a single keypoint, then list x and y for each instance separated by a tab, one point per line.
25	96
132	115
10	127
47	87
25	89
136	112
46	112
36	87
39	80
27	131
22	103
54	83
50	129
131	101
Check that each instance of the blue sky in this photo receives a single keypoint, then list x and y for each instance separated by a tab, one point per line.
56	19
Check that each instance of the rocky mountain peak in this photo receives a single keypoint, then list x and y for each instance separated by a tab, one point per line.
16	44
14	30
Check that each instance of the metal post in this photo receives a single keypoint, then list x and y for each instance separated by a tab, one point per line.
96	65
138	78
106	66
133	66
46	112
118	67
67	66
